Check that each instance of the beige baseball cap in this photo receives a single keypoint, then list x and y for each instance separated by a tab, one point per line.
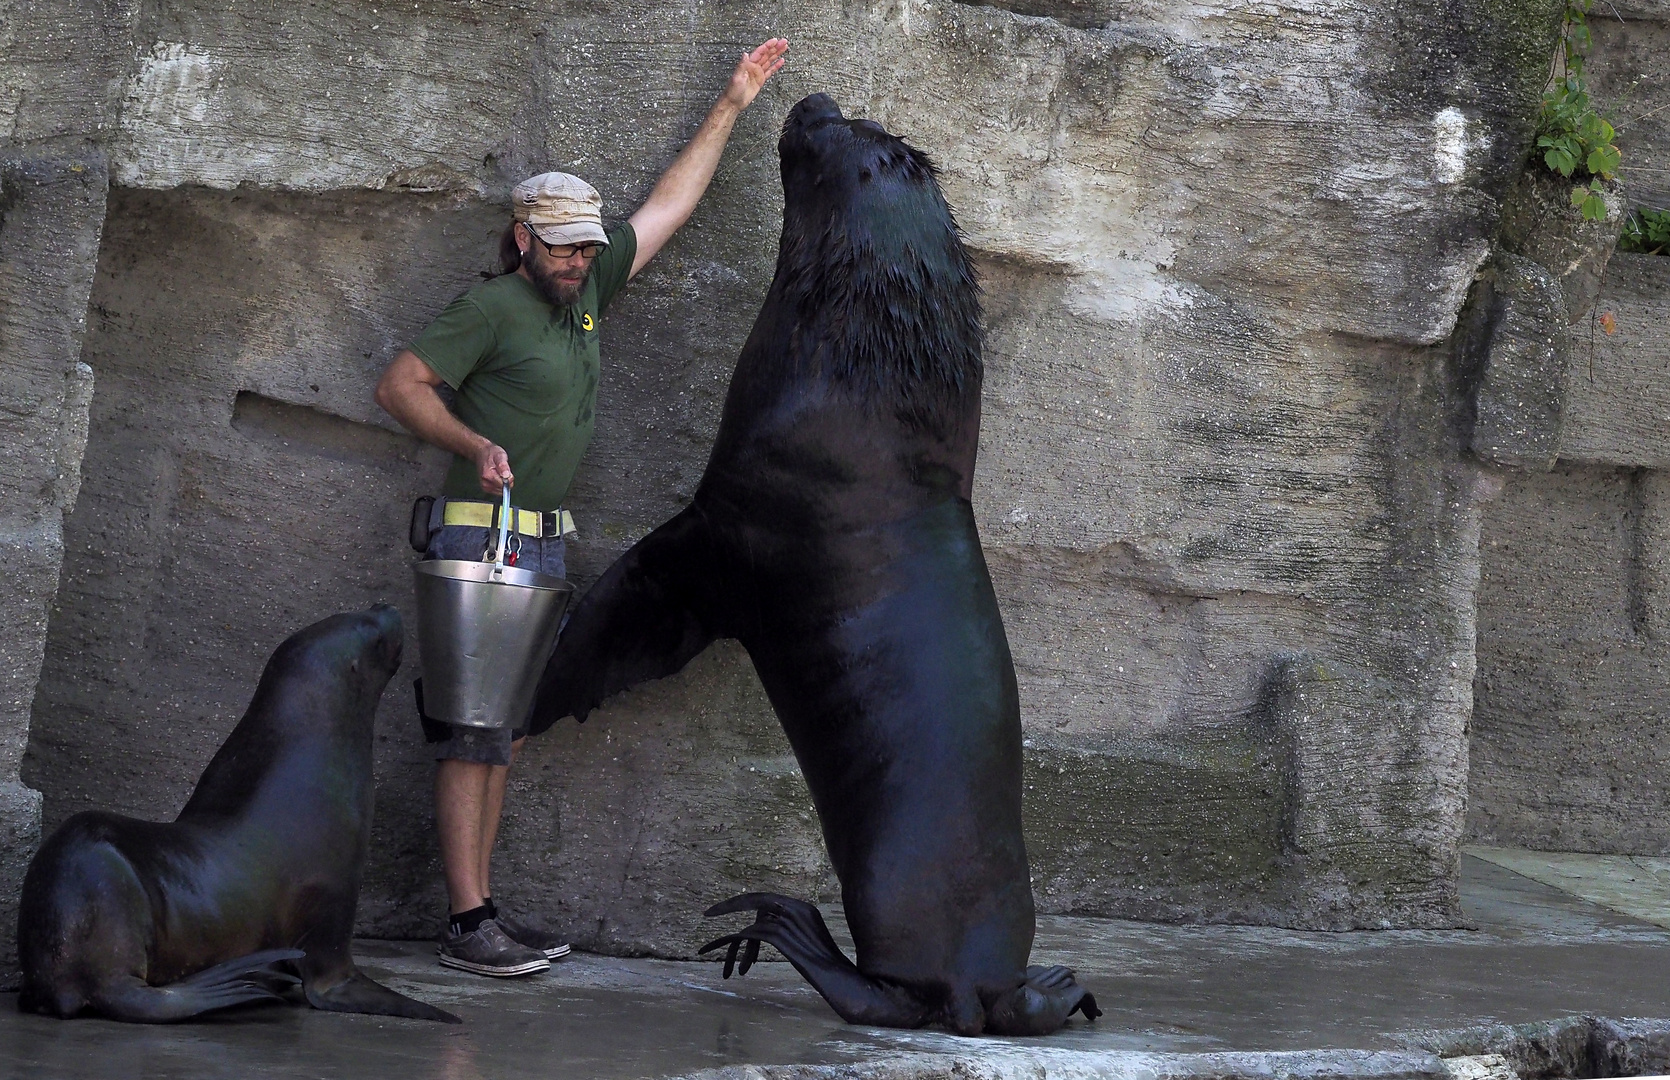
561	208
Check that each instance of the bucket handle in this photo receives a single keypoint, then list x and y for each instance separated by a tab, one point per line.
504	524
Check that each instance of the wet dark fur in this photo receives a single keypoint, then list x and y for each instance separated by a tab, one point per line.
252	889
891	311
832	535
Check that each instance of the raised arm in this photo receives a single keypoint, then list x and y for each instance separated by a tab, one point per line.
680	188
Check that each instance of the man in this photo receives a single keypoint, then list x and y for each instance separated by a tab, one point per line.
521	353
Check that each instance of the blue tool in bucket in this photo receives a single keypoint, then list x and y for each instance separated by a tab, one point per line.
485	631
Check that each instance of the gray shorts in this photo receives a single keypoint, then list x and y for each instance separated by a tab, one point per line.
485	746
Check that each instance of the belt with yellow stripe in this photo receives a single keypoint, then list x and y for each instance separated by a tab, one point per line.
485	515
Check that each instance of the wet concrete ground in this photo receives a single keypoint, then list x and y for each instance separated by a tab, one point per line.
1538	952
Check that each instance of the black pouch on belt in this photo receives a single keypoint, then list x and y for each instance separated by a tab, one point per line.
422	511
434	731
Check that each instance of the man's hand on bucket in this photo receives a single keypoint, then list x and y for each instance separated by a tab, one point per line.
494	466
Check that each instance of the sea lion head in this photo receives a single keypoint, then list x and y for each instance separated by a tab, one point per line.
873	264
319	690
854	172
339	664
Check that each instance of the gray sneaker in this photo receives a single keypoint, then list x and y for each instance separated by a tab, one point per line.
488	950
552	946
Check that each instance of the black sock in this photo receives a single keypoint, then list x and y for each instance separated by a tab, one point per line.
492	908
468	922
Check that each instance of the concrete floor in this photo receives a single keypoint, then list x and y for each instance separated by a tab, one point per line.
1538	952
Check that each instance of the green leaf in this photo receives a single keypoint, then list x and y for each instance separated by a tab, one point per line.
1646	232
1574	138
1603	160
1652	229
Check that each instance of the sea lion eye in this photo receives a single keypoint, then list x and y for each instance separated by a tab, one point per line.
863	176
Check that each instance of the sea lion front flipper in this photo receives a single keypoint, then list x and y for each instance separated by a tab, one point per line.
1041	1004
637	623
359	993
236	982
797	930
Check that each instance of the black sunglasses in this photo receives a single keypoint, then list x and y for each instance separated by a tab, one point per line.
566	251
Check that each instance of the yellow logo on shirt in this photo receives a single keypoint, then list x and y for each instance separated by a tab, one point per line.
585	321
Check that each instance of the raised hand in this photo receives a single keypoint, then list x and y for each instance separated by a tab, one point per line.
755	67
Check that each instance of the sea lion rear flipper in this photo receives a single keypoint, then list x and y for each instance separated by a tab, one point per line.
637	623
359	993
797	930
1041	1004
236	982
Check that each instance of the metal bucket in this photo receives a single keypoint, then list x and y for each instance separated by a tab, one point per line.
485	631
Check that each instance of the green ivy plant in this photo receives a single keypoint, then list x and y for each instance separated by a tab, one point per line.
1646	232
1575	140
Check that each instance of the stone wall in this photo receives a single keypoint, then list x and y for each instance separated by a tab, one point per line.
1574	643
58	74
1223	485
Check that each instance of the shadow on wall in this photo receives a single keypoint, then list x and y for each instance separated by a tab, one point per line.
306	430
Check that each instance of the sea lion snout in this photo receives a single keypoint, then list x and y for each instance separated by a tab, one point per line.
388	616
391	632
367	644
811	108
817	134
836	168
383	639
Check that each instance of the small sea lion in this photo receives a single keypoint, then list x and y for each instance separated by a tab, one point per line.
832	534
253	887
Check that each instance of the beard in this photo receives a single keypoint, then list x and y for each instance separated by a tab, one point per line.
557	289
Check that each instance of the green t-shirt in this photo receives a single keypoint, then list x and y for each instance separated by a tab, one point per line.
526	373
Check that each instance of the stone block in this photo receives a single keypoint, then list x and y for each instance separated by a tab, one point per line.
20	835
1364	842
1570	733
1650	564
1521	350
32	556
1629	74
1646	10
1631	1047
61	66
1181	829
1618	403
1540	223
1315	205
1542	1049
51	212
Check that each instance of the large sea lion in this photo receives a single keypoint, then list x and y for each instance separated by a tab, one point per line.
254	885
832	535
